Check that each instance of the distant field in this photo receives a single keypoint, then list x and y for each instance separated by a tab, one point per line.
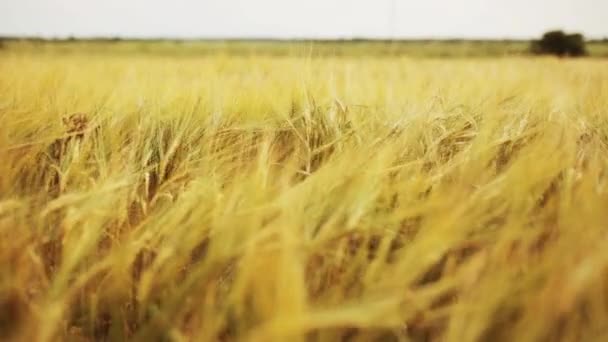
421	48
302	192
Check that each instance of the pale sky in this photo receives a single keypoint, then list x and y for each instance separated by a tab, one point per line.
302	19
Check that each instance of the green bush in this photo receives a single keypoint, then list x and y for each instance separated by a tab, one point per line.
560	44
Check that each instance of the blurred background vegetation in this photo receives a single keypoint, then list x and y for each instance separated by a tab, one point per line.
363	48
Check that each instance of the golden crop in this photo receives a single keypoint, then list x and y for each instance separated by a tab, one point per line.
288	198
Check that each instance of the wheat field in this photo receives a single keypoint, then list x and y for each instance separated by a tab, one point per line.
295	198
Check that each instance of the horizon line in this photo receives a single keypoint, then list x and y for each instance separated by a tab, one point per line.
67	38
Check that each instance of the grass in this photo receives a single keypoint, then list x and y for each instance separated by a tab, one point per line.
259	198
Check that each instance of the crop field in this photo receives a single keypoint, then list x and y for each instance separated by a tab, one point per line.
299	197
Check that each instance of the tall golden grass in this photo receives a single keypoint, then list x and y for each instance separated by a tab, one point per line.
260	198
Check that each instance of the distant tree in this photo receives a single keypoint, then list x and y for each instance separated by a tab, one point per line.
560	44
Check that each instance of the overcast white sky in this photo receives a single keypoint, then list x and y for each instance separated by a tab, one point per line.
305	18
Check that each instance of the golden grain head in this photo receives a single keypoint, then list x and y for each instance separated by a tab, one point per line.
298	197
